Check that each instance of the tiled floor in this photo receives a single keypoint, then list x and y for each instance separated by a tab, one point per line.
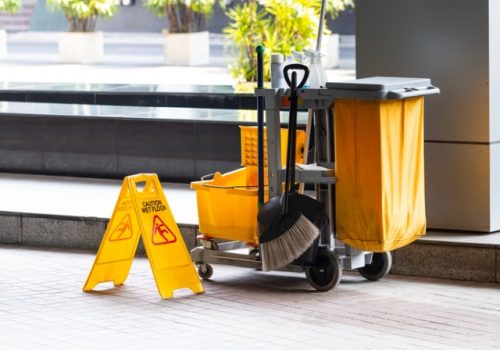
42	306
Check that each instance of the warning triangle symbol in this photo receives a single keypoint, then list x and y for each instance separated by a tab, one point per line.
123	231
161	233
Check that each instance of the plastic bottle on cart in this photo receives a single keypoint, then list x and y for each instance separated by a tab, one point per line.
317	74
277	79
299	57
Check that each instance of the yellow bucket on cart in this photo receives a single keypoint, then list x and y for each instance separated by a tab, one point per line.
227	205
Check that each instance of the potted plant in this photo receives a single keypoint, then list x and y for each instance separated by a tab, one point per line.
82	44
283	26
330	42
11	6
186	41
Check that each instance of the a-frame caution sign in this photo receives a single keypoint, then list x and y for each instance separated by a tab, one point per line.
143	211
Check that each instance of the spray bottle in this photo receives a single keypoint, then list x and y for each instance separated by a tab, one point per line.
317	74
299	57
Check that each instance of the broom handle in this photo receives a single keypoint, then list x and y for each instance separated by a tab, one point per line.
321	21
293	122
289	151
292	131
292	126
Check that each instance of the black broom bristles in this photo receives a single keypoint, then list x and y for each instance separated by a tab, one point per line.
288	243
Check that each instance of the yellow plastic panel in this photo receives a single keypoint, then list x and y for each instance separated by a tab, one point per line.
170	260
248	140
118	245
380	173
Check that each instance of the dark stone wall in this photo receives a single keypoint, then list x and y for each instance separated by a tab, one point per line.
107	147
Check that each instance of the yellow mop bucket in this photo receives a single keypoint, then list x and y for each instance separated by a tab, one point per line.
227	205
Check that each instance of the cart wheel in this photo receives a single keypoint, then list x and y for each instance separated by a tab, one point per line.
254	252
326	273
379	268
205	271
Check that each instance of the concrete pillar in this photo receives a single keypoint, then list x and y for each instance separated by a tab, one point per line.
456	43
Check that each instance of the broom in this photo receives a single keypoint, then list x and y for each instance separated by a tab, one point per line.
286	233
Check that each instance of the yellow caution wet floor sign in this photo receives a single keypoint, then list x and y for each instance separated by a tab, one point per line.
142	210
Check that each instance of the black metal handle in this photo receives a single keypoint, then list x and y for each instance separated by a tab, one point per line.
260	125
288	173
296	67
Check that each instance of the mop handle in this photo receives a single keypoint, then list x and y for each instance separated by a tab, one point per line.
260	125
321	21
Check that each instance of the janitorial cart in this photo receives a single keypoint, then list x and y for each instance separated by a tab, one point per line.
361	156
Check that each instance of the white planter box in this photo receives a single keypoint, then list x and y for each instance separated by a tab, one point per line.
186	49
330	48
3	44
83	48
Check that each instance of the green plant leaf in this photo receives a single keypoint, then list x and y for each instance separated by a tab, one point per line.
11	6
82	14
283	26
183	15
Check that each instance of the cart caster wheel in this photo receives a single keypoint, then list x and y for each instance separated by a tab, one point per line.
326	273
379	268
254	252
205	271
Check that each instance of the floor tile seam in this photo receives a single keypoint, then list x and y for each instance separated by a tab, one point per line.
454	325
450	311
460	244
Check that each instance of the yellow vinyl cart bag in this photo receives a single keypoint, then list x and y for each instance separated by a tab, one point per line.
379	165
